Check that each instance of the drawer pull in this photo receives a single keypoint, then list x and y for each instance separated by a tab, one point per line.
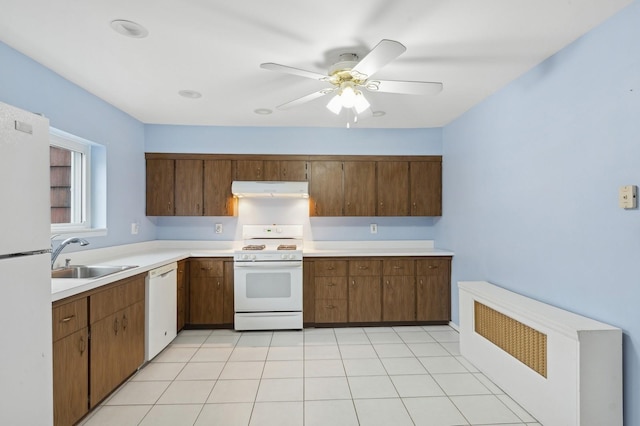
67	319
398	267
433	267
363	267
330	268
329	306
331	285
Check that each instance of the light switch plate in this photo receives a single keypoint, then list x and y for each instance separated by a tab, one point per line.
218	228
628	197
373	228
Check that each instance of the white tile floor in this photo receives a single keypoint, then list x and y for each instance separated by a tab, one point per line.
344	376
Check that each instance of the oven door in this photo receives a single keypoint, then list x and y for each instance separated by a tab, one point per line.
268	286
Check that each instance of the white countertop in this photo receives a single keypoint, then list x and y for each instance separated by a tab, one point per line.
152	254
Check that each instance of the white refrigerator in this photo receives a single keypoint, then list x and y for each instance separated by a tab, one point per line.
26	378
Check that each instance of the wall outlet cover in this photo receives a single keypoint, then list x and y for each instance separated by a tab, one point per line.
628	197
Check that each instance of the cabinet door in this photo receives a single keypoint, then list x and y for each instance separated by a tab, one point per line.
105	344
331	311
189	180
398	298
206	293
359	188
365	299
228	310
393	188
160	187
426	188
249	170
308	293
132	339
325	189
182	277
433	290
285	170
71	378
218	200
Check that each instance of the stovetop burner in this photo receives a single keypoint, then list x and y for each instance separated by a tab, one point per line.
254	247
287	247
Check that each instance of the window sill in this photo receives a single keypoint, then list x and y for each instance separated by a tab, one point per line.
61	234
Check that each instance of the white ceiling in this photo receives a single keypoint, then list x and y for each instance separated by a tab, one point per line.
474	47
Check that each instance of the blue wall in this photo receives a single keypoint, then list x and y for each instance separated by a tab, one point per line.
531	180
28	85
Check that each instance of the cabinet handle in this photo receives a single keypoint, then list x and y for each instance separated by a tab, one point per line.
259	171
125	322
388	283
421	283
330	268
398	267
83	345
353	283
67	319
331	285
329	306
362	268
433	267
284	172
218	283
206	269
169	206
115	326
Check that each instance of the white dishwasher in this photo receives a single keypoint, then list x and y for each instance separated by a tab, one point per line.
160	308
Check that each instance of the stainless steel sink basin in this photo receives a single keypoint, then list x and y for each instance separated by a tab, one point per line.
84	271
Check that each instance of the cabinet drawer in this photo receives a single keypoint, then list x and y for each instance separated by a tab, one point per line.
330	268
207	268
117	296
331	310
331	287
364	268
397	267
432	266
69	318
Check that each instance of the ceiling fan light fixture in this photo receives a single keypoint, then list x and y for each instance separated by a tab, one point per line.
335	105
361	104
348	96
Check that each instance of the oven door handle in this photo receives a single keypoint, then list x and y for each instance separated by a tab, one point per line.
268	265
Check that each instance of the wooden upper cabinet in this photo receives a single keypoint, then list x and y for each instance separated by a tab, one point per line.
393	188
160	187
189	189
325	189
218	200
426	188
285	170
359	188
249	170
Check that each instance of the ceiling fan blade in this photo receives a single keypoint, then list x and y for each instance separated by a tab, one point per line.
383	53
311	96
295	71
404	87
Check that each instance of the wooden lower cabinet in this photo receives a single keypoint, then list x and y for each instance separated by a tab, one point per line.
377	290
433	290
182	281
207	290
228	308
70	362
117	338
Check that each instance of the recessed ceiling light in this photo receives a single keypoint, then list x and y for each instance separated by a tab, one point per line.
191	94
263	111
378	113
129	28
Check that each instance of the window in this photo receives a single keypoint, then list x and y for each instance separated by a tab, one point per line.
71	183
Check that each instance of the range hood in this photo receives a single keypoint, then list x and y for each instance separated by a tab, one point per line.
269	189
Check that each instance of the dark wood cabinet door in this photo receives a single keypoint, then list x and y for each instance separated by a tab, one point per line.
188	189
365	299
308	293
132	339
71	378
285	170
359	188
325	189
426	188
249	170
182	278
228	310
398	298
106	348
433	290
331	311
160	187
218	200
393	188
206	291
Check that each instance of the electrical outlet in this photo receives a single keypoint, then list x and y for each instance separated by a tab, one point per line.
218	228
134	228
628	197
373	228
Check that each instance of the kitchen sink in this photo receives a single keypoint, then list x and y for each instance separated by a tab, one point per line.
83	271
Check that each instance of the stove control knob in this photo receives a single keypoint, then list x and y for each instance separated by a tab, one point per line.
245	256
284	256
253	257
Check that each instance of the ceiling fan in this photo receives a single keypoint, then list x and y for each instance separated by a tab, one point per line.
351	74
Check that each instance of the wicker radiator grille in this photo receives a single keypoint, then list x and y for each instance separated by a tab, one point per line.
527	345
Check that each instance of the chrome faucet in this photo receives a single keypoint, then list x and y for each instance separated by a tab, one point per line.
72	240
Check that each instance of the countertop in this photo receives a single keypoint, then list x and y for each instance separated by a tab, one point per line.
152	254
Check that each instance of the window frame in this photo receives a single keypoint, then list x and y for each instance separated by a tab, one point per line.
81	183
